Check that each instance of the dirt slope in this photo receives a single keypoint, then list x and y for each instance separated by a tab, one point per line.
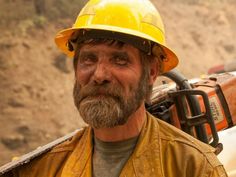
36	80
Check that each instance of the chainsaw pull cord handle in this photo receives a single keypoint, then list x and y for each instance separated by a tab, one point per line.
194	106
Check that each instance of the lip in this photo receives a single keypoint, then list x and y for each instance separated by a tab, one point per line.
101	92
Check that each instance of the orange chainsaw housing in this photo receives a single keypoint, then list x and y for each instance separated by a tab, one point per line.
221	89
221	92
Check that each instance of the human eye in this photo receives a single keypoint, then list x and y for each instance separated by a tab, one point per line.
120	59
87	58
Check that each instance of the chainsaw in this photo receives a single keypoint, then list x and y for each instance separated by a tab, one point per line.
200	107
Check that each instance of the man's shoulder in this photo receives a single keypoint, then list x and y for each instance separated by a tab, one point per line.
68	142
63	145
179	141
184	148
168	132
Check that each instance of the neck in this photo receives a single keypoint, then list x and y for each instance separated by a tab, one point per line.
131	129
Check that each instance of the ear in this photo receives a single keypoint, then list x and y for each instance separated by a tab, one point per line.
154	71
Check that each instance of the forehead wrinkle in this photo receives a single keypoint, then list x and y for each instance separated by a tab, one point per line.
88	49
120	53
87	53
109	42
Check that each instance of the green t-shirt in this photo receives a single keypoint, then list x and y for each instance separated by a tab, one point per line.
110	157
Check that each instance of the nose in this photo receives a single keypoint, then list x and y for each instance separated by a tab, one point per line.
101	74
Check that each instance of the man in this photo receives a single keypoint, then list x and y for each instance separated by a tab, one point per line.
119	49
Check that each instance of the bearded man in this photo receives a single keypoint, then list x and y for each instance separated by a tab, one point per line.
119	49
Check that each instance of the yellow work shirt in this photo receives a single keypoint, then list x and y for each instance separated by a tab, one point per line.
161	151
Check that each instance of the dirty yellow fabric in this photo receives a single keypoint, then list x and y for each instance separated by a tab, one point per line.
161	151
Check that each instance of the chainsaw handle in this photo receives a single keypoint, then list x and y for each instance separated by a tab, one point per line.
183	84
196	120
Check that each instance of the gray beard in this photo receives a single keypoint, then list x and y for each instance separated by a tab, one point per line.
102	112
111	108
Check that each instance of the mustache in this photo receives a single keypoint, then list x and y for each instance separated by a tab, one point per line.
90	90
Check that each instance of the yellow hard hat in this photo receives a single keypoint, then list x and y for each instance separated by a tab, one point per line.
134	21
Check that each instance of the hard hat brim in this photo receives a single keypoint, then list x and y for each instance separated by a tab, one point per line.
170	61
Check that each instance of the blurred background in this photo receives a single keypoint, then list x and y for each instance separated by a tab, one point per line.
36	79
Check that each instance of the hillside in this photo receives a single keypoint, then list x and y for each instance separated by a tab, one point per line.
36	79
